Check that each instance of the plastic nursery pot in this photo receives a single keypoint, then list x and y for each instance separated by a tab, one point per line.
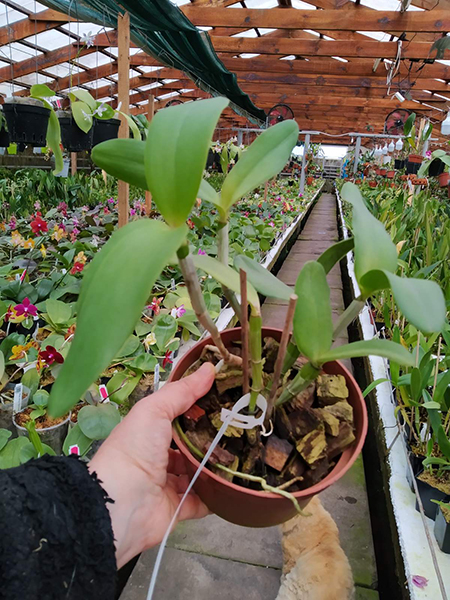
390	174
309	180
428	493
104	130
383	172
444	179
442	529
27	123
373	184
4	138
252	508
6	407
413	163
399	164
72	137
436	168
52	436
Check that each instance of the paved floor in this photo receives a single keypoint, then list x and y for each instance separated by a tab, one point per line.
214	560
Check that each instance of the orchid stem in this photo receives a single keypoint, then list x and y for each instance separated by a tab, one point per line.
222	255
348	316
198	304
292	353
281	354
301	381
256	358
244	329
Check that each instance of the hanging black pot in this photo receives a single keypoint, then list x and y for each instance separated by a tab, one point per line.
27	123
442	531
72	137
105	129
399	164
436	168
4	138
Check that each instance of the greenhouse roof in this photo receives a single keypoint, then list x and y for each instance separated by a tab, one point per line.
336	63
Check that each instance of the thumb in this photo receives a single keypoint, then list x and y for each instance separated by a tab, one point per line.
175	398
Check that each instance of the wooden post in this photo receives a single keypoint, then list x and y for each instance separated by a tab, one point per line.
73	163
123	34
150	114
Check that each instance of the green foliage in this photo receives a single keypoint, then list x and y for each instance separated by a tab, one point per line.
262	279
97	422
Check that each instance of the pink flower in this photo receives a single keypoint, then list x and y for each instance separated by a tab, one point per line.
110	200
300	195
132	212
180	311
37	205
25	309
428	153
12	223
272	224
200	251
106	210
62	207
246	213
419	581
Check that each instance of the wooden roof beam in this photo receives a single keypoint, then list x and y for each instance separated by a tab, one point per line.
435	21
31	25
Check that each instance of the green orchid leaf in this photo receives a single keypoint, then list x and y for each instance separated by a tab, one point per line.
40	398
97	422
82	115
373	385
30	379
121	385
132	125
439	431
107	111
409	124
10	454
164	329
77	437
123	159
4	437
207	192
313	327
59	312
264	159
374	248
262	280
225	275
177	147
441	387
85	97
40	90
416	384
335	253
113	293
421	301
144	362
384	348
54	141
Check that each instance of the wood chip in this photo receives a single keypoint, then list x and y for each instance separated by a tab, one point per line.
331	389
312	446
330	421
220	455
306	398
193	416
230	430
342	411
338	444
277	452
227	380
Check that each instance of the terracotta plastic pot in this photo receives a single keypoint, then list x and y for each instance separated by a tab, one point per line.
444	179
373	184
251	508
383	172
390	174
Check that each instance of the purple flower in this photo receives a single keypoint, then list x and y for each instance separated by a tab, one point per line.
110	200
12	223
132	212
200	251
37	205
25	308
271	224
75	231
419	581
428	153
300	195
180	311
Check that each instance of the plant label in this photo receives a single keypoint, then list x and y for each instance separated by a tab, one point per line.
156	379
74	449
172	284
18	402
103	393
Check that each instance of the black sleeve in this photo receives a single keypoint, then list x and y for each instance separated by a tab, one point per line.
56	539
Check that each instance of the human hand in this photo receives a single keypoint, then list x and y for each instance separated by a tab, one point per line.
145	478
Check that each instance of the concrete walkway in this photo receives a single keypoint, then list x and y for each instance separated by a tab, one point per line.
215	560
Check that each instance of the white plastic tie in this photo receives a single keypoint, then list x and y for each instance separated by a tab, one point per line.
229	417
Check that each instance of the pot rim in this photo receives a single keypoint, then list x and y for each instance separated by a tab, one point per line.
40	428
351	453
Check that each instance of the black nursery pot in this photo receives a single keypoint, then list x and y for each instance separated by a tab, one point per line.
399	164
436	168
428	493
27	124
73	138
412	167
104	130
442	531
4	139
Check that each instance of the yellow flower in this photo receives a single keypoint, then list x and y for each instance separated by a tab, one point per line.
17	239
2	227
80	258
17	352
43	251
28	243
150	340
58	233
13	317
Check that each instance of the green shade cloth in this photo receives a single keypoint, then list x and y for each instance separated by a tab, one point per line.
163	31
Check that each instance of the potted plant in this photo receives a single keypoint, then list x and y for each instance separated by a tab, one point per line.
27	119
4	135
440	160
78	125
16	452
299	375
416	140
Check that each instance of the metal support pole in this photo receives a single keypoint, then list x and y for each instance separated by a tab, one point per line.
305	152
123	31
239	137
150	115
357	153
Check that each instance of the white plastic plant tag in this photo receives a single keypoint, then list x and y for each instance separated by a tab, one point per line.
229	417
103	393
245	421
172	284
18	398
156	379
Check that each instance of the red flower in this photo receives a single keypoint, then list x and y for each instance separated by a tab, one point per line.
38	225
154	306
190	224
167	360
50	355
77	268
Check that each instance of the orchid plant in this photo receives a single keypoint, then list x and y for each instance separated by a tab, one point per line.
171	167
